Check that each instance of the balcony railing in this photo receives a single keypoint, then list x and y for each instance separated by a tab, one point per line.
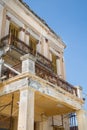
54	79
44	61
43	65
17	44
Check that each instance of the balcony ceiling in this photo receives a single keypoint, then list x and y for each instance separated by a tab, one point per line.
12	57
43	105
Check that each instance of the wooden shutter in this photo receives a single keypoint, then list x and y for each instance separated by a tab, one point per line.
54	66
14	30
32	44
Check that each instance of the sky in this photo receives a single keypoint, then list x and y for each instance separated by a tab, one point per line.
68	19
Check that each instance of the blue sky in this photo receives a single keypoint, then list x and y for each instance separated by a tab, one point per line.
68	19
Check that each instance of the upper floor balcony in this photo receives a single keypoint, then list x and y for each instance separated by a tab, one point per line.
43	66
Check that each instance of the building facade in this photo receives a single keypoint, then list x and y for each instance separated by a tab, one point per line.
34	93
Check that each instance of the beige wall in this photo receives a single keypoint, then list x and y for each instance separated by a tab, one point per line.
47	124
82	119
1	18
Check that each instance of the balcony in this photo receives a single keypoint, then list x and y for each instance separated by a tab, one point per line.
43	65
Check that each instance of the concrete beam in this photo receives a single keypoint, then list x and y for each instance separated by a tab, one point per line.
13	86
51	91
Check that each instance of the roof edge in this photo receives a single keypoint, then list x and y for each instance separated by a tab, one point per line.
42	21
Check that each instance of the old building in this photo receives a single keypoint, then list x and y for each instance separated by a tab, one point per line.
34	93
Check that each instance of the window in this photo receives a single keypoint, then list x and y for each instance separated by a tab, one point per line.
54	66
33	44
14	30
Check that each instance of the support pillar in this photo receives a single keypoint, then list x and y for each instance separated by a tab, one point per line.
28	63
1	64
64	73
27	36
7	25
39	47
1	18
62	66
58	67
45	47
22	34
26	110
82	119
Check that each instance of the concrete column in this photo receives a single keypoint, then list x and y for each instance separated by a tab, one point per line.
39	47
64	73
26	110
42	46
82	119
27	38
1	64
1	18
21	34
58	67
62	67
7	25
45	47
28	63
